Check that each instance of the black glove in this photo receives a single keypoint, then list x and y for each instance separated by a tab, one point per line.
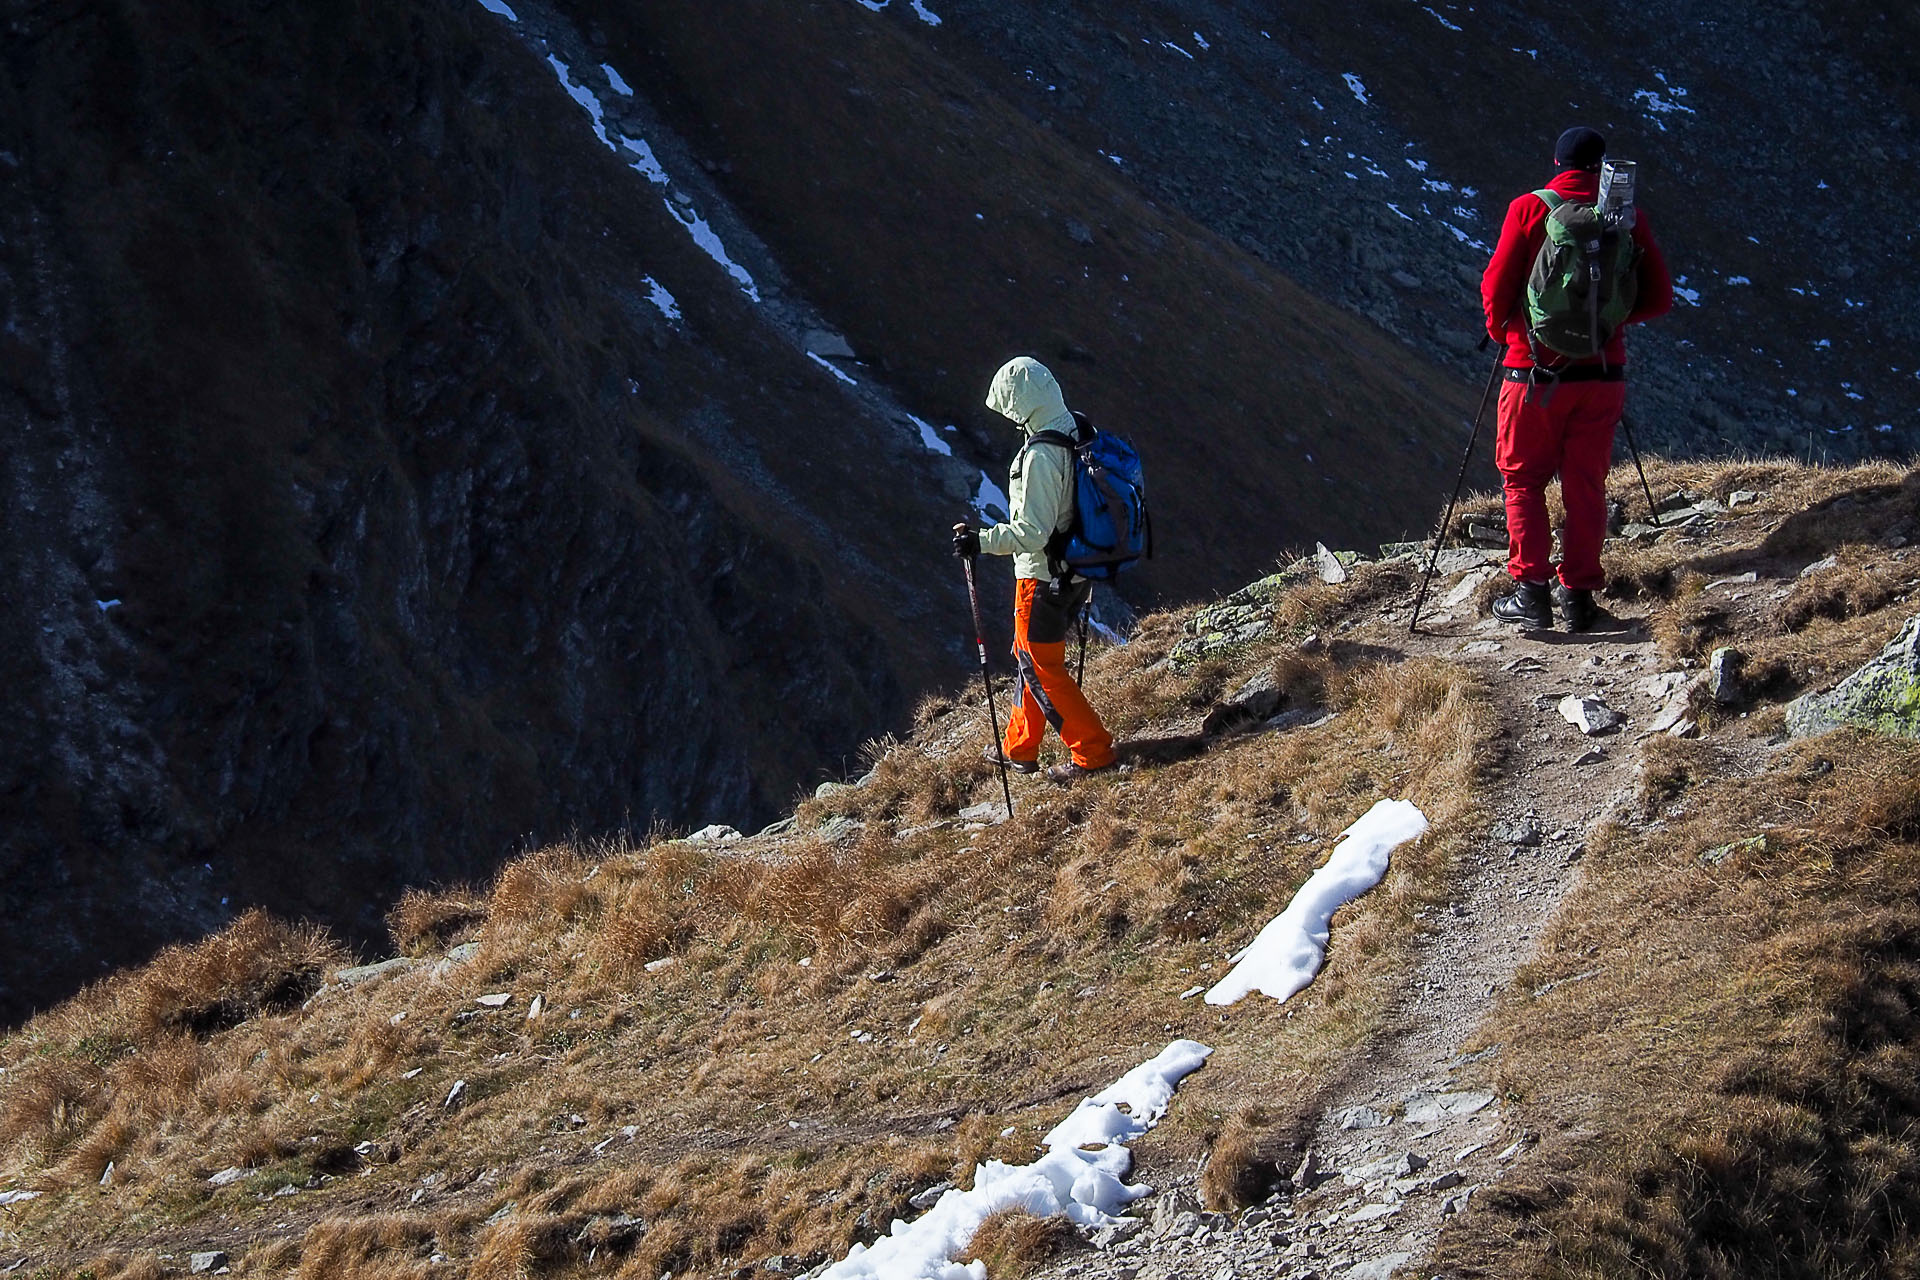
966	541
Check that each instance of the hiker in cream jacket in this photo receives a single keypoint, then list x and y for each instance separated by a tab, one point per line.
1040	501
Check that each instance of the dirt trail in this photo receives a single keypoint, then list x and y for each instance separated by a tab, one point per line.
1411	1132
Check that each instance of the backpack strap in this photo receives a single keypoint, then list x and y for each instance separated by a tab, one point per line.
1552	199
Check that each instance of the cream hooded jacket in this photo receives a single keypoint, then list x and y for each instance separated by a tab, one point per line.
1040	483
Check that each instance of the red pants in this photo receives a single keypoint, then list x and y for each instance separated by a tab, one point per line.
1570	434
1048	694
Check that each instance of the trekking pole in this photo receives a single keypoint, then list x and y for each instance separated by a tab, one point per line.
993	714
1646	488
1080	676
1440	537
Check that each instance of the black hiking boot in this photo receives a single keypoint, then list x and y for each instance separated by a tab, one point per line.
993	756
1528	606
1069	773
1576	608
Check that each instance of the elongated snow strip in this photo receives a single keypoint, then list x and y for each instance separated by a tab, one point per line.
1288	954
1087	1186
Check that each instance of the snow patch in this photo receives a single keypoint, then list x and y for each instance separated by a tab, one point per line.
1087	1187
1168	44
925	14
829	367
584	96
497	6
931	438
1201	41
1288	954
990	500
1439	19
657	294
618	85
1359	89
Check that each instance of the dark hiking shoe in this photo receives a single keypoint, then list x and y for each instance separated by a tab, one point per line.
1529	606
1069	773
993	756
1576	608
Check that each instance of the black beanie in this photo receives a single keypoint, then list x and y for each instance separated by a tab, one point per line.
1579	148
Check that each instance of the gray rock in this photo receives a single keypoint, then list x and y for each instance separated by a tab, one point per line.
1670	715
1256	699
926	1199
1447	1181
834	829
1819	566
1079	232
1363	1118
826	344
1438	1108
200	1264
714	834
1405	279
1594	756
828	790
1380	1268
369	972
1518	832
989	811
1589	715
1723	675
228	1176
1115	1233
1883	696
1328	565
454	958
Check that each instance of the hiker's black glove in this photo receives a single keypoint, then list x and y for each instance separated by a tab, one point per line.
966	541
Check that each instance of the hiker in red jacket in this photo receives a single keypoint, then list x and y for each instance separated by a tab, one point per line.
1558	414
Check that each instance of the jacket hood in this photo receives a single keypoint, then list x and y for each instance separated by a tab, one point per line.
1025	391
1576	184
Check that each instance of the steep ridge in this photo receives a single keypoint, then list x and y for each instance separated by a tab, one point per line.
1368	150
946	230
373	504
401	479
1618	966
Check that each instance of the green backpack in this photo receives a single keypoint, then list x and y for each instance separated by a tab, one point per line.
1584	279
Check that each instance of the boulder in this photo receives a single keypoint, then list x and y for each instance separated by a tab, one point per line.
1723	675
1328	565
1882	696
200	1264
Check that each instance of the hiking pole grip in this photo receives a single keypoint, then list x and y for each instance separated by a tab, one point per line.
1440	536
986	680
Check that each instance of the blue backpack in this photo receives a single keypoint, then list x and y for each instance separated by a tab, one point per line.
1111	528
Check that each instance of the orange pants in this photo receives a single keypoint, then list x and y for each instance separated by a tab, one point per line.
1048	694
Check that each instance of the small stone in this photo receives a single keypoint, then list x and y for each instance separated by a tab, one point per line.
664	962
1447	1181
1723	675
1819	566
1684	728
1409	1164
1483	646
1079	232
227	1177
1594	756
926	1199
497	1000
987	811
454	1094
1516	832
1380	1268
714	834
368	972
1363	1118
1328	565
535	1007
1589	715
1742	497
199	1264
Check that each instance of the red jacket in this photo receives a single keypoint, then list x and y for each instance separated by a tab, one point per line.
1503	289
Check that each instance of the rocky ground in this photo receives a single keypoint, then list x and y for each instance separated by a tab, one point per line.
1409	1137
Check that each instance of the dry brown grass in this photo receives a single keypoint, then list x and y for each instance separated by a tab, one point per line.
828	1007
1244	1163
1734	1094
1014	1243
424	921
